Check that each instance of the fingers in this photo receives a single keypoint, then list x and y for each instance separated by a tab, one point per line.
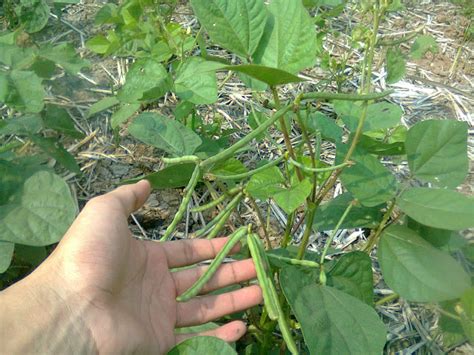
229	332
188	252
206	308
127	198
227	274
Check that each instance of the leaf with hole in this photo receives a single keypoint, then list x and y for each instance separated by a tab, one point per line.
165	134
416	270
437	152
438	208
40	213
234	25
289	39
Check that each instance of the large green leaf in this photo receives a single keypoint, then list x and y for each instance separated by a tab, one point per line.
439	208
435	236
196	81
379	116
164	133
6	254
146	80
416	270
290	199
28	91
60	120
40	213
268	75
202	345
266	183
329	214
289	40
352	274
123	114
23	125
319	122
234	25
334	322
368	180
103	104
437	152
33	15
171	177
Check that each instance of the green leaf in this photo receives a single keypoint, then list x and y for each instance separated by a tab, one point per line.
123	114
163	133
329	213
379	116
438	208
3	87
352	274
40	213
202	345
437	152
103	104
423	44
467	313
171	177
23	125
334	322
196	81
34	15
319	122
234	25
29	93
266	183
108	14
290	199
197	328
44	68
395	66
289	40
6	254
230	166
435	236
368	180
65	56
146	80
380	147
416	270
57	118
98	44
55	149
270	76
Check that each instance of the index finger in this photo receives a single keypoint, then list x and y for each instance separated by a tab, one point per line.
188	252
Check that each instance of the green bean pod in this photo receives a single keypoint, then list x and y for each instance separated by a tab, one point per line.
292	261
248	173
206	276
225	215
270	296
184	204
218	200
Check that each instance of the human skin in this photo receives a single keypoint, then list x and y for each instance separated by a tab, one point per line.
103	291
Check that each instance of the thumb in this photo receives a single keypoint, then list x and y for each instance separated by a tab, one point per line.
130	197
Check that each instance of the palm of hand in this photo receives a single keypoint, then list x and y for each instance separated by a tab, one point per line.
130	286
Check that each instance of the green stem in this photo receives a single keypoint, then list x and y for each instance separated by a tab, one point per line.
287	236
387	299
373	238
317	170
188	191
248	173
10	146
229	152
333	234
307	231
218	200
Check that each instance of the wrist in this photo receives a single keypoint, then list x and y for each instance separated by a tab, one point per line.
37	317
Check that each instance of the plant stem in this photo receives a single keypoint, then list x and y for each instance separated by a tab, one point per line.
374	236
346	97
318	170
248	173
229	152
387	299
333	234
307	231
188	191
287	236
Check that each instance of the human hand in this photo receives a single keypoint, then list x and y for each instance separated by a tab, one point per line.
102	290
